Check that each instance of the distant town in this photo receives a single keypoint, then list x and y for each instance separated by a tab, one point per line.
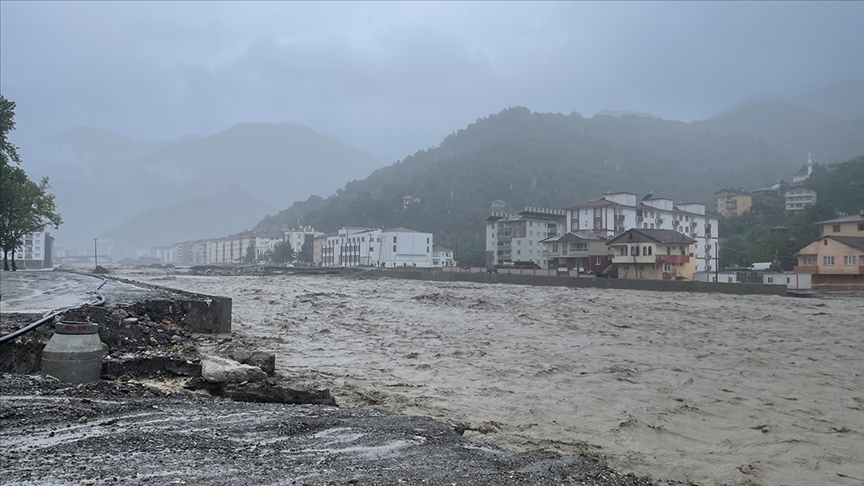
619	235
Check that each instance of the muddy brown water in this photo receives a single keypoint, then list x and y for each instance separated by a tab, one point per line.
709	388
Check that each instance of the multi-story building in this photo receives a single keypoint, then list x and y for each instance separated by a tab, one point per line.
442	257
580	252
846	226
733	202
318	245
615	213
517	237
297	237
833	262
390	248
36	251
799	198
653	254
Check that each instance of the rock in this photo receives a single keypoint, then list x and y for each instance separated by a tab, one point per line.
100	270
119	314
221	370
265	361
272	392
241	354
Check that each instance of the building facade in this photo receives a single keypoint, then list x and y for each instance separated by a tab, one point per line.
833	262
799	198
517	237
442	257
36	251
297	237
846	226
733	202
582	252
389	248
648	254
615	213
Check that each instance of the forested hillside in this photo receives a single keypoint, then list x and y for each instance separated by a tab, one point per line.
545	159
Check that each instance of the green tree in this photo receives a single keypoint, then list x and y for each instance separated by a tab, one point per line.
306	254
251	254
282	253
25	206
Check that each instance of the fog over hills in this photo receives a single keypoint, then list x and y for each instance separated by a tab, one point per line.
105	182
556	160
144	193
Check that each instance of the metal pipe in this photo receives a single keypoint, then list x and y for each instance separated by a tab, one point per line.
100	300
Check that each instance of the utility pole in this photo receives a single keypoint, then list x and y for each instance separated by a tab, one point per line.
95	253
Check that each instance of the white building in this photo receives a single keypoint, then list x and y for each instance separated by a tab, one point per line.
297	237
617	212
799	198
516	237
390	248
442	257
35	252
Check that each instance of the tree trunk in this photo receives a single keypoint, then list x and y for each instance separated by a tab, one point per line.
5	261
14	268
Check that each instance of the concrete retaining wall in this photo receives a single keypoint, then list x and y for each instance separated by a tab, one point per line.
588	282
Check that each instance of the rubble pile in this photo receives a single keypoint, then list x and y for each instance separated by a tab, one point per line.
148	341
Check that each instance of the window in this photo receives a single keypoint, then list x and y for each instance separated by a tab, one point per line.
644	225
394	248
808	261
394	241
770	279
638	212
427	249
581	246
554	246
849	260
530	233
667	268
835	228
650	250
519	242
623	251
860	226
530	252
518	252
598	261
531	223
828	260
427	241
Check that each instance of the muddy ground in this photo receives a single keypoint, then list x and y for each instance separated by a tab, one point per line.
112	432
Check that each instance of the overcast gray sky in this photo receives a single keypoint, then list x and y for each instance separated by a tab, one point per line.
391	78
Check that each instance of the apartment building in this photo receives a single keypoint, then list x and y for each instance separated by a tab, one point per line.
36	251
733	202
297	237
799	198
615	213
517	237
579	252
389	248
653	254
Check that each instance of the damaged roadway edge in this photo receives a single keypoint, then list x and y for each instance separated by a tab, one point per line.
110	432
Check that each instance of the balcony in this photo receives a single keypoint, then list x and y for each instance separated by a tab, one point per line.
673	259
805	269
619	217
639	219
675	222
630	259
707	226
659	221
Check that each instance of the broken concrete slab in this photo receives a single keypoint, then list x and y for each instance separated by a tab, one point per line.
223	370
